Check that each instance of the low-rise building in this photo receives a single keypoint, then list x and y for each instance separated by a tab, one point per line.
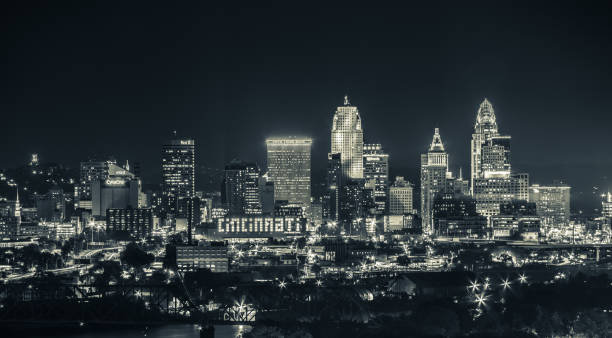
206	255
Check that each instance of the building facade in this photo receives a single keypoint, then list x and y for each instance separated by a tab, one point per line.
401	197
289	169
240	192
552	203
376	170
203	256
129	222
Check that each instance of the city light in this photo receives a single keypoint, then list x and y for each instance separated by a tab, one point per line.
505	284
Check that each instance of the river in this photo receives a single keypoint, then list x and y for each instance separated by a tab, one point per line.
162	331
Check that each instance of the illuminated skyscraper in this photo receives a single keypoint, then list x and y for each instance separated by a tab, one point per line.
606	205
434	168
484	129
492	180
289	169
334	183
347	140
376	170
241	194
400	197
178	172
552	203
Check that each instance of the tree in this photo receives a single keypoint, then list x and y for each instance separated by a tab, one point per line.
170	258
135	257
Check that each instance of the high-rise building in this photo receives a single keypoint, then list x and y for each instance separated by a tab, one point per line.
334	182
434	168
289	169
114	193
178	173
484	129
376	170
606	205
495	159
241	193
92	171
400	197
492	181
490	193
347	139
552	203
454	215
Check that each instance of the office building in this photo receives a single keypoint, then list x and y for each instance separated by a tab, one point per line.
289	169
434	168
178	173
552	203
376	170
212	256
334	184
347	140
606	205
92	171
401	197
114	193
455	216
129	223
240	193
493	191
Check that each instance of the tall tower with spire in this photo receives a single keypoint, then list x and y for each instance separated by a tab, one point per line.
484	129
434	168
347	140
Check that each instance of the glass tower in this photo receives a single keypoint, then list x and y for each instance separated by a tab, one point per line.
289	169
178	171
347	140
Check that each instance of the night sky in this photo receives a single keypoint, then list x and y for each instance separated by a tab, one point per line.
115	79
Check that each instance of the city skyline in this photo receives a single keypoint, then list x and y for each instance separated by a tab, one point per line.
558	85
208	170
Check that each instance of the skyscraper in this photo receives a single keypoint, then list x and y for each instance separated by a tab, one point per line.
400	197
492	180
484	129
241	192
434	168
178	172
376	170
606	205
334	182
347	140
552	203
289	169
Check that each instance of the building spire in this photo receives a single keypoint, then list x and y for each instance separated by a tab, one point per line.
436	143
346	100
486	114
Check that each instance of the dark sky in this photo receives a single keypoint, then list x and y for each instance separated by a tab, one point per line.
116	78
